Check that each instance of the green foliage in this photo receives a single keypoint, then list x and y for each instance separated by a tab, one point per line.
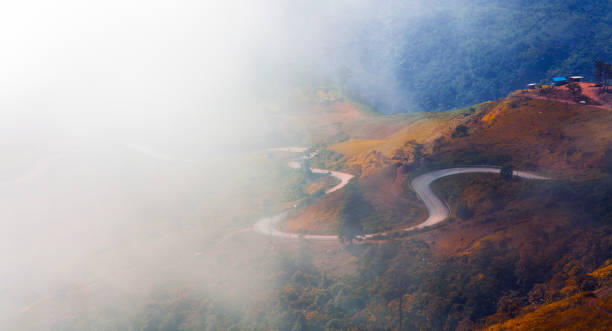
350	223
603	73
460	131
417	154
507	172
326	159
401	155
295	189
471	157
599	70
464	212
607	161
574	89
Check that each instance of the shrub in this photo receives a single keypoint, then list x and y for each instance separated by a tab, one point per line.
488	220
464	212
460	131
507	172
607	161
574	89
530	166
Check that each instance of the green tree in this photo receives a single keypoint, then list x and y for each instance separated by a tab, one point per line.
607	75
401	155
464	212
574	89
460	131
599	70
507	172
350	224
305	167
607	161
417	154
396	286
603	73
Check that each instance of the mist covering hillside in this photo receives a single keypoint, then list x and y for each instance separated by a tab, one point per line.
135	135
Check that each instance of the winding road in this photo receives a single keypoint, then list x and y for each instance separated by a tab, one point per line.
437	210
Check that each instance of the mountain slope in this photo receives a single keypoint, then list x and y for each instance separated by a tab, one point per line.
523	253
446	54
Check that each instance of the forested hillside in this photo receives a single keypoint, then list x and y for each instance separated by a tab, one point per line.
454	53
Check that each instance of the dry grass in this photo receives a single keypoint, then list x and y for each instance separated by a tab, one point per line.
603	273
363	156
353	147
564	138
574	313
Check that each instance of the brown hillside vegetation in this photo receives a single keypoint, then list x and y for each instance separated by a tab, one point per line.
574	313
563	138
589	310
552	137
501	213
391	206
363	156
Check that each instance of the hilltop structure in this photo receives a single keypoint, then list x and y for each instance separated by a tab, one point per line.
558	81
576	79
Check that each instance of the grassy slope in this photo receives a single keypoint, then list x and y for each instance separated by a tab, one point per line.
564	138
365	155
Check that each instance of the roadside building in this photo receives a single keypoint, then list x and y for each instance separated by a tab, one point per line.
576	78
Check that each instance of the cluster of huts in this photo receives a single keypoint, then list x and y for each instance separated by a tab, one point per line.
558	81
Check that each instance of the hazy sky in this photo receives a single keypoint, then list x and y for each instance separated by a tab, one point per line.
108	110
138	69
84	68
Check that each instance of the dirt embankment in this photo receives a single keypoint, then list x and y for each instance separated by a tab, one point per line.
588	93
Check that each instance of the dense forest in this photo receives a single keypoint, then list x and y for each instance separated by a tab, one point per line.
455	53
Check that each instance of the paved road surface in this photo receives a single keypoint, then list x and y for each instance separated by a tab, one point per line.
436	208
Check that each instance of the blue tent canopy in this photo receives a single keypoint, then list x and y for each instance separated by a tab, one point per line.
559	80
